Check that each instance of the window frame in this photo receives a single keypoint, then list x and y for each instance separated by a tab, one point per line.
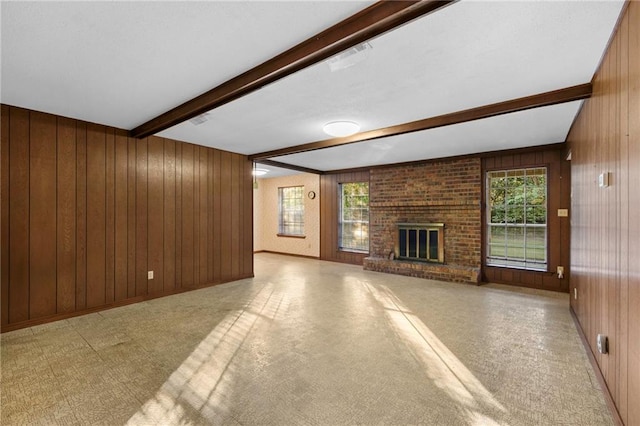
341	220
287	228
524	263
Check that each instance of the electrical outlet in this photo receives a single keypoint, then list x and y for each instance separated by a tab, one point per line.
150	275
560	272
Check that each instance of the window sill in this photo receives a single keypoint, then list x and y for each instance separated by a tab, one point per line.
518	268
353	250
292	236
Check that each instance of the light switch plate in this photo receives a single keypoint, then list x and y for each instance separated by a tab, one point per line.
603	180
602	343
150	275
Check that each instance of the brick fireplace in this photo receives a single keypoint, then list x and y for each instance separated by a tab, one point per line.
447	193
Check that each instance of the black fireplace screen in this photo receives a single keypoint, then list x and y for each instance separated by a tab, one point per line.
423	241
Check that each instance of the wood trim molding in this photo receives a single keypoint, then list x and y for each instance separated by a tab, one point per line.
594	364
370	22
574	93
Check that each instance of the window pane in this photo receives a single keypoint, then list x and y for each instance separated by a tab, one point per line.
433	244
422	238
403	243
517	217
354	216
412	243
291	210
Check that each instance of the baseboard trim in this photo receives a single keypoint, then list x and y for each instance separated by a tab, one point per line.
287	254
125	302
596	369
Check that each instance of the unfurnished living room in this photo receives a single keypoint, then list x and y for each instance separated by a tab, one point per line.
320	213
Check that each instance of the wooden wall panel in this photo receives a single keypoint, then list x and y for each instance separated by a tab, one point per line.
188	238
236	220
87	211
217	216
210	217
155	197
225	216
81	215
169	241
4	211
329	205
196	216
42	215
622	344
110	201
633	196
605	235
558	197
121	213
96	216
203	207
248	219
131	217
19	215
142	253
179	221
66	215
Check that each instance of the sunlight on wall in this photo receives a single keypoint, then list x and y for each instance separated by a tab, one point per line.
441	365
202	382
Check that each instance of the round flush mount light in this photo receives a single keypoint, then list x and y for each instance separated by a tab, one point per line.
259	172
341	128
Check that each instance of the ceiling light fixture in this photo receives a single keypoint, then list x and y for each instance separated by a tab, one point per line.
341	128
259	172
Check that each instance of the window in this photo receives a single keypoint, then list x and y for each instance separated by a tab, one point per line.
291	201
354	216
517	218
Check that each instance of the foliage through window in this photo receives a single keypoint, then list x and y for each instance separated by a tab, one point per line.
291	214
517	218
354	216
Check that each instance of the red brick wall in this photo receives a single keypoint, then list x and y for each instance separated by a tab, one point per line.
449	192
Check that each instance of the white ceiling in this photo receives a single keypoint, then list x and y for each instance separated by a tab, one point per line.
123	63
539	126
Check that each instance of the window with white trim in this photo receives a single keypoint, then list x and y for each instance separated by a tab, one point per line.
517	218
353	228
291	211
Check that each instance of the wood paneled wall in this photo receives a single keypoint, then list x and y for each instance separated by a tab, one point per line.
558	228
87	211
329	211
605	232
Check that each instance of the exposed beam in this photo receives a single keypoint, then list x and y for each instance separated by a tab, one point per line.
376	19
290	167
569	94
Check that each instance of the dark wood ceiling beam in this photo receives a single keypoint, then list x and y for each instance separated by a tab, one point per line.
290	167
376	19
568	94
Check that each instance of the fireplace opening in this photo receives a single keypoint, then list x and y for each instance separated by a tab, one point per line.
420	241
